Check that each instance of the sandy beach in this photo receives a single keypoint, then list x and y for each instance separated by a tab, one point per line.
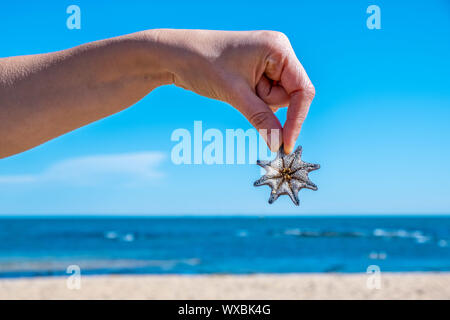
260	286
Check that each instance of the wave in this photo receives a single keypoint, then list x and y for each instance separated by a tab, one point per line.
319	233
417	235
60	266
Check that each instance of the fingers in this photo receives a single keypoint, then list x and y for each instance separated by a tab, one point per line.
271	93
296	115
262	118
301	92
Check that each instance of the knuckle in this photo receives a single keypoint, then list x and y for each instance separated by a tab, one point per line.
307	90
277	56
274	38
298	119
258	119
280	37
310	91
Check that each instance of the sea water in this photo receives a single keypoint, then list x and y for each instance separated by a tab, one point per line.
235	245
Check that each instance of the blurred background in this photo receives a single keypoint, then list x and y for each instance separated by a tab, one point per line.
107	196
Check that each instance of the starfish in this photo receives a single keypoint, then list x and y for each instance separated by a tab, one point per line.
286	174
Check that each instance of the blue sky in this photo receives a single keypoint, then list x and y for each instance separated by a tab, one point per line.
379	125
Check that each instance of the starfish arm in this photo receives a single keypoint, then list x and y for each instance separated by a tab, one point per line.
286	188
297	164
298	151
303	181
289	159
270	171
295	158
311	185
276	190
263	163
301	175
267	180
294	197
297	185
310	166
273	196
277	164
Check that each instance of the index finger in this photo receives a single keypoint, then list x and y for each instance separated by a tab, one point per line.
301	93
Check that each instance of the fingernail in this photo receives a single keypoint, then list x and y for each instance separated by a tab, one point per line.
288	148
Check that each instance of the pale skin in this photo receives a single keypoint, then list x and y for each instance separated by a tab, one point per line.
47	95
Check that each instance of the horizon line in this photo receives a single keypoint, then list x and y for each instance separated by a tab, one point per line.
255	216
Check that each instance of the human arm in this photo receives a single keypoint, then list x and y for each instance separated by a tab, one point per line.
46	95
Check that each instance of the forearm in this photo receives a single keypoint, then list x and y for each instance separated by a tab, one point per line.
44	96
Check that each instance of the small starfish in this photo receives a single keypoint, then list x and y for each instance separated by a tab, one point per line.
286	174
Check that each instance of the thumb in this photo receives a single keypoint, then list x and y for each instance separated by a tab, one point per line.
259	114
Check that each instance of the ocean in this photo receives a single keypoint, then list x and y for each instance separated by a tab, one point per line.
222	245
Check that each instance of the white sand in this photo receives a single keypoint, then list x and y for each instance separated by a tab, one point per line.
261	286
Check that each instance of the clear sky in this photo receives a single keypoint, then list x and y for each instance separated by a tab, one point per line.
379	125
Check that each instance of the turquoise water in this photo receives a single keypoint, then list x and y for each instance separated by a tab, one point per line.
47	246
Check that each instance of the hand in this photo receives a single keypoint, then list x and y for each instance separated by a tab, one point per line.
257	72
